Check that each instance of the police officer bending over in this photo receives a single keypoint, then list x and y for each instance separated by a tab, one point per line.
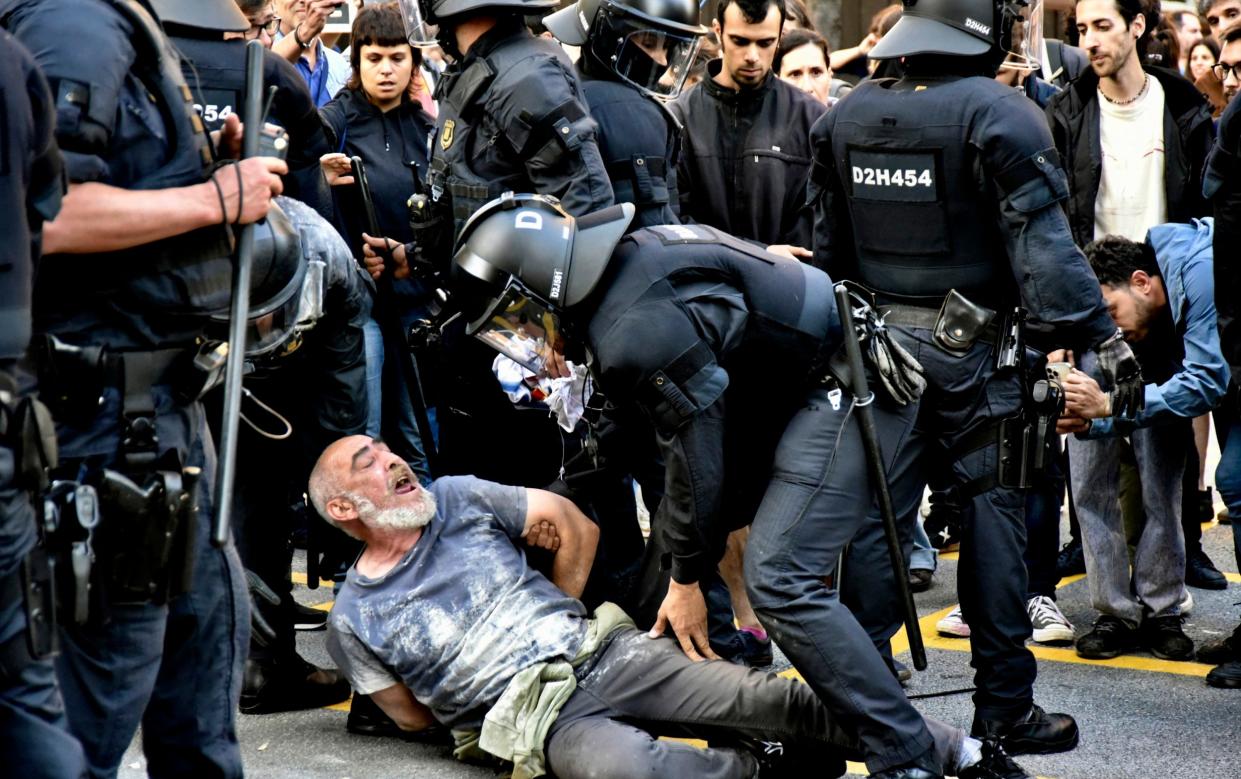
683	324
939	195
512	116
137	260
34	736
634	55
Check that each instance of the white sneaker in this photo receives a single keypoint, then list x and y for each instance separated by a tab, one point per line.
1049	623
953	625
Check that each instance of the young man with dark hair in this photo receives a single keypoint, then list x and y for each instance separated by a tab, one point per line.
747	152
1126	173
1160	294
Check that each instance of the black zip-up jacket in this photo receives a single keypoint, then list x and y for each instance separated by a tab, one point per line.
746	159
1187	137
394	147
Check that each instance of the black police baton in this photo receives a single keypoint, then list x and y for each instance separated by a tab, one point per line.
389	320
863	398
239	310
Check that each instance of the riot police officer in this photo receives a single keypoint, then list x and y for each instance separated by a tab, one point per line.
634	55
965	167
214	68
512	116
34	736
135	264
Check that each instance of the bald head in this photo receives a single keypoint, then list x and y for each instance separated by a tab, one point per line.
360	486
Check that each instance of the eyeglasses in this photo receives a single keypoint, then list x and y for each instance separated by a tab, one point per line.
1222	70
258	28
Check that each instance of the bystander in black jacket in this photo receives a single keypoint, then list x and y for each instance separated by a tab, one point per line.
393	145
746	159
1188	134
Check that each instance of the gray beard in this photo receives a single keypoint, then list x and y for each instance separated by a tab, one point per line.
398	517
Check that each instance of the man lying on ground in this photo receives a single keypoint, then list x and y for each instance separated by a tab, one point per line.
441	620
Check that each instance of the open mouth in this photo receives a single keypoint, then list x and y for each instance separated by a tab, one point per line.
404	485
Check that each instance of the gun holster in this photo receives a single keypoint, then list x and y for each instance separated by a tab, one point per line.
1026	439
432	226
146	541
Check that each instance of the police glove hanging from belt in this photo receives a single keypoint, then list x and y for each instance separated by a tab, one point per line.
900	374
1122	372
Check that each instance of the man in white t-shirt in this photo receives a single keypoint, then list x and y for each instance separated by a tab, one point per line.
1133	140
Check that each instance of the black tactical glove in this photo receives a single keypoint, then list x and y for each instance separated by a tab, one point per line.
1123	374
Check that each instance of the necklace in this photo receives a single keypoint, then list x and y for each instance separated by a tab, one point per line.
1145	83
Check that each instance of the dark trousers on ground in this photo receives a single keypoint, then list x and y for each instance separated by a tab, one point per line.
176	669
636	689
821	499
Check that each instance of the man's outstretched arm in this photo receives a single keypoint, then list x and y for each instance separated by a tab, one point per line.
405	710
578	538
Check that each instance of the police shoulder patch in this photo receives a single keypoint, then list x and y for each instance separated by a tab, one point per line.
446	134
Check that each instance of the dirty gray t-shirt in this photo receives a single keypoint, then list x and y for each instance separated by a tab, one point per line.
461	613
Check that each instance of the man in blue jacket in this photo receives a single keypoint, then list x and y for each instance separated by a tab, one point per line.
1161	295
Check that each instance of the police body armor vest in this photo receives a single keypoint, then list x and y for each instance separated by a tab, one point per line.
640	142
217	70
792	321
184	278
921	209
467	163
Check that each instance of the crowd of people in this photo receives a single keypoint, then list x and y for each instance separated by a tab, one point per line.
552	366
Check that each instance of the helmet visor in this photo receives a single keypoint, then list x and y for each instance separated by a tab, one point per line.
522	328
655	61
1025	48
418	30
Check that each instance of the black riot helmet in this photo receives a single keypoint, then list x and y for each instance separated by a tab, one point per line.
277	285
221	15
521	262
648	43
423	18
1005	31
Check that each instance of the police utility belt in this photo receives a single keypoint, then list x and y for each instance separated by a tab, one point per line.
124	536
1026	439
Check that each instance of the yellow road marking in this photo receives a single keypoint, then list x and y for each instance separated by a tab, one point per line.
299	577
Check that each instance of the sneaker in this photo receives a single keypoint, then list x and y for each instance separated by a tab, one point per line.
1200	572
1037	733
1187	604
1072	559
1049	623
995	764
307	618
1224	651
1110	637
1165	639
902	672
1223	517
920	579
1226	676
953	625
